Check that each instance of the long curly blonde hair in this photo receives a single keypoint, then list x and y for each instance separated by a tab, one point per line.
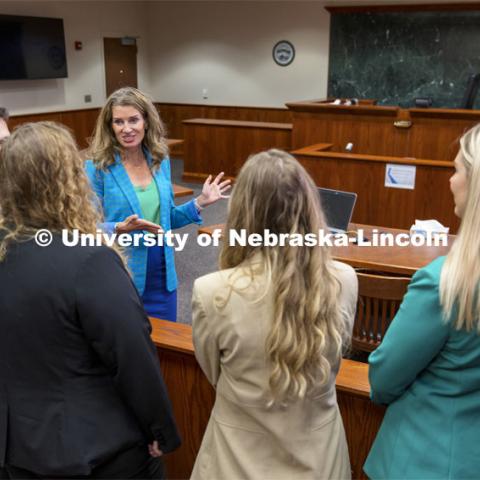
43	184
273	191
104	144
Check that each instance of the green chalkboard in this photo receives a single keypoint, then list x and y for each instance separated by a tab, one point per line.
397	57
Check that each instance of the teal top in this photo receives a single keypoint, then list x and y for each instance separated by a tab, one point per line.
429	375
149	202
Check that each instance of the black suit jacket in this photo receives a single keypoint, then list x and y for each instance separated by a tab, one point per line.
79	374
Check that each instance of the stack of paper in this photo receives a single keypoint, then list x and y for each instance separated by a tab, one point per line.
426	227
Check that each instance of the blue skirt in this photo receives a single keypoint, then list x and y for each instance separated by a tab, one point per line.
157	300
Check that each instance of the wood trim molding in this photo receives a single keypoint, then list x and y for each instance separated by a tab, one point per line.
205	105
237	123
54	112
320	150
445	113
172	336
361	109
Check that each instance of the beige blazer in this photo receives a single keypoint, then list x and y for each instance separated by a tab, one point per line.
244	438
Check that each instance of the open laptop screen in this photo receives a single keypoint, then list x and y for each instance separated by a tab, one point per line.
338	207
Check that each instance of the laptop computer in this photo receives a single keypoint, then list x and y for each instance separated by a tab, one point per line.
338	208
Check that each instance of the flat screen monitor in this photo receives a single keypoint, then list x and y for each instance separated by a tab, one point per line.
338	208
32	48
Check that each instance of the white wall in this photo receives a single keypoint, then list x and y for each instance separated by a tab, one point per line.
184	47
226	47
89	22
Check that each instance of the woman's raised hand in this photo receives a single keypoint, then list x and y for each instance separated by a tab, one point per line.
213	191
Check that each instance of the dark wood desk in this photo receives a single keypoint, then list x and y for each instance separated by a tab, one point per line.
193	397
405	260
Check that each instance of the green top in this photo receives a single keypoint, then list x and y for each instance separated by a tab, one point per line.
149	201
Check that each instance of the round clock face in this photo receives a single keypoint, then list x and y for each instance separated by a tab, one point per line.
283	53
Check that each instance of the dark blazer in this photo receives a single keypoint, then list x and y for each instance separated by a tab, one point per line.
79	375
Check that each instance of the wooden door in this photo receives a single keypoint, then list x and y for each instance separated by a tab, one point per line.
120	64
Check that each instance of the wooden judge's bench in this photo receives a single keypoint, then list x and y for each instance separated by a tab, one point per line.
349	147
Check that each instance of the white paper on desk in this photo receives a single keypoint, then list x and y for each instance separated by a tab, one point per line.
400	176
428	226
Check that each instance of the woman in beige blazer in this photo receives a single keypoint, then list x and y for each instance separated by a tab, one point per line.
268	331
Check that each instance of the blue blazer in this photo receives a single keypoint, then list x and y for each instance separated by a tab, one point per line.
119	200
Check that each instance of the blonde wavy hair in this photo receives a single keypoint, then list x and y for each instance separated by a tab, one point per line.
104	144
43	184
460	277
273	191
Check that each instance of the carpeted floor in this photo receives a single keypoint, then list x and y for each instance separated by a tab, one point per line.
194	261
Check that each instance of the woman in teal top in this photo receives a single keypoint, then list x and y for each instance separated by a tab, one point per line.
130	174
427	369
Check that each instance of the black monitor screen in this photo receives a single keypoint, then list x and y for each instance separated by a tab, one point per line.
338	207
31	48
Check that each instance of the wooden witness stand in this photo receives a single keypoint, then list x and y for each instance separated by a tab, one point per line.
193	398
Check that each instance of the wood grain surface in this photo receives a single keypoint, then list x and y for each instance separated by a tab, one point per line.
213	146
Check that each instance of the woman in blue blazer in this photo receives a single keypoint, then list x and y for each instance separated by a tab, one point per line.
130	173
427	369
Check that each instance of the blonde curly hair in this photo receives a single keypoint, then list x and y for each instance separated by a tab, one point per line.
43	184
104	144
273	191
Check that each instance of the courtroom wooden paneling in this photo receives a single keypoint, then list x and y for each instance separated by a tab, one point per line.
375	130
173	114
81	122
380	205
362	420
192	400
435	132
369	128
213	146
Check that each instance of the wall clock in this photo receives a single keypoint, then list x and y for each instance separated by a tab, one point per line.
283	53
